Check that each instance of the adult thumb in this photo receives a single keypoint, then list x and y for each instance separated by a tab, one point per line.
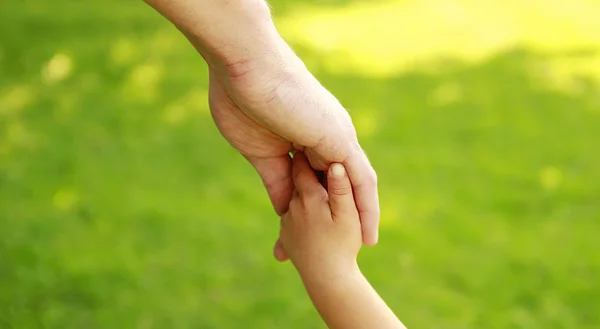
341	199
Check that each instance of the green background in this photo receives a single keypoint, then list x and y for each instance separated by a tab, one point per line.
122	207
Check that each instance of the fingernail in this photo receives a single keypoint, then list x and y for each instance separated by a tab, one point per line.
338	170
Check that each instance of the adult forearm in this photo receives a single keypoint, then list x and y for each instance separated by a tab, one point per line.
348	301
229	34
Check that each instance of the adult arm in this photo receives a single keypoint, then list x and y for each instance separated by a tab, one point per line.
224	31
265	101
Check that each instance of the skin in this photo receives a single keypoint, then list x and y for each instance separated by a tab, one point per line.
321	233
266	103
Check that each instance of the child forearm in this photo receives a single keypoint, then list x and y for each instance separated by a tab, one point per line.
347	301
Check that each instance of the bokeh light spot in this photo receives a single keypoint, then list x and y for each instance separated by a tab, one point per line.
191	104
550	177
175	114
15	99
446	94
123	52
58	68
16	136
146	76
143	81
65	199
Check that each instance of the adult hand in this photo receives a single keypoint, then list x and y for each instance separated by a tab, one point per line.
265	102
268	110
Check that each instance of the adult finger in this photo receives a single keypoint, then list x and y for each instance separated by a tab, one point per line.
304	178
364	183
276	174
278	250
341	199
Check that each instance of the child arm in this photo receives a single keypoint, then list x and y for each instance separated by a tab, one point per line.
322	235
349	302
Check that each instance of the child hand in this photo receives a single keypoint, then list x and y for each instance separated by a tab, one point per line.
321	232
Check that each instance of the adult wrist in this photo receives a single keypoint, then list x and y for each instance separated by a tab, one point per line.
243	36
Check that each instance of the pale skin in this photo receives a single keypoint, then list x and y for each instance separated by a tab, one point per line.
321	234
266	103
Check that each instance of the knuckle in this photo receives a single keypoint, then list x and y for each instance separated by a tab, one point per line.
336	189
340	151
316	196
323	197
336	148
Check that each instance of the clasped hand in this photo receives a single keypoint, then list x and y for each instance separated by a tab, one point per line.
321	230
272	107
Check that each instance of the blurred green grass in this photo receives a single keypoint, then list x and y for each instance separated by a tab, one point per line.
121	206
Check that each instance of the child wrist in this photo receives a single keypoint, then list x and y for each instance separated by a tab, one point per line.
319	275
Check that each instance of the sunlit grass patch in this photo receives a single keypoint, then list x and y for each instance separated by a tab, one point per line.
383	39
